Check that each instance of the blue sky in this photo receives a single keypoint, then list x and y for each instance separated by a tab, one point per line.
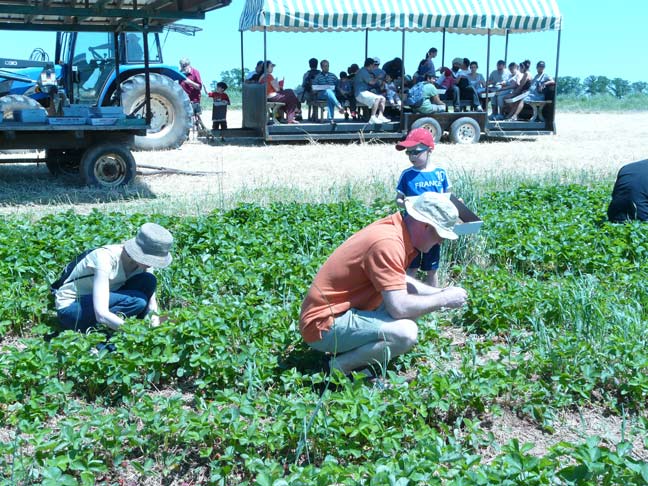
609	42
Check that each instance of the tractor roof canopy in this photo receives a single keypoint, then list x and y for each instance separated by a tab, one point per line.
101	15
461	16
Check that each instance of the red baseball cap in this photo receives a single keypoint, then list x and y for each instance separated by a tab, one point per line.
416	137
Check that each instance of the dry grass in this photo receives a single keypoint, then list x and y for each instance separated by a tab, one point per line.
587	147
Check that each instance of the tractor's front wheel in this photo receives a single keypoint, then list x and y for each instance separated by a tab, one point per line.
170	108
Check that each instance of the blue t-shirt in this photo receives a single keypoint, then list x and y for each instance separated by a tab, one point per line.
414	182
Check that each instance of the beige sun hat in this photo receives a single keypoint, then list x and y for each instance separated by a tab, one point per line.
151	246
435	209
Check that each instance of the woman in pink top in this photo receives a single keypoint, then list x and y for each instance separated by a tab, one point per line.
276	93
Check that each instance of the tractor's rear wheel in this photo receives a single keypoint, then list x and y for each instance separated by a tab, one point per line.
170	108
10	103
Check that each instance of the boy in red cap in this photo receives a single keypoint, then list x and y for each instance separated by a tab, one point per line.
422	177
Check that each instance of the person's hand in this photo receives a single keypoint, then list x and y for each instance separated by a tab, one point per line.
155	320
454	297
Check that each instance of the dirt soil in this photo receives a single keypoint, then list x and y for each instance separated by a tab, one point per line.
585	144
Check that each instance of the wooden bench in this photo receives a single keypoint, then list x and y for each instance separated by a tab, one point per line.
273	111
316	109
537	107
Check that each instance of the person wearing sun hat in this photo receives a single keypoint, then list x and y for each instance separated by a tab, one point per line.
362	305
113	282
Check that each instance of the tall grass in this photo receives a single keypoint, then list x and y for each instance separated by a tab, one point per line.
597	103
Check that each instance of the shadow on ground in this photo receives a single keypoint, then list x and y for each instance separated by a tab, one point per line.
32	185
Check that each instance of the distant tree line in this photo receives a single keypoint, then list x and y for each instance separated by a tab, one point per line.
599	85
233	78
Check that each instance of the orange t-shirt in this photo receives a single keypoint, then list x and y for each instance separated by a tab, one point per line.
371	261
269	89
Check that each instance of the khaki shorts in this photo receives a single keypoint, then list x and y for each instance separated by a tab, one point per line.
367	98
353	329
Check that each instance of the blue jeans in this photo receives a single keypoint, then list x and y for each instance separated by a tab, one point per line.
428	261
131	299
332	101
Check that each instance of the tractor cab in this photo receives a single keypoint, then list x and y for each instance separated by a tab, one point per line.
88	62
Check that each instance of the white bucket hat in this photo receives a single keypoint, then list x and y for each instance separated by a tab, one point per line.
151	246
435	209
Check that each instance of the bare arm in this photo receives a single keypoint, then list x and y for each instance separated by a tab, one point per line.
100	301
400	199
437	101
153	311
192	83
401	304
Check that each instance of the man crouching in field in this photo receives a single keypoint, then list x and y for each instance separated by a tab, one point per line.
362	305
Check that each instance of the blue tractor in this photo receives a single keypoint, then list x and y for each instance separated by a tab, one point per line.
85	71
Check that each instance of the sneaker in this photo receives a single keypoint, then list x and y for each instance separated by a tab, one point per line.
375	120
384	119
479	108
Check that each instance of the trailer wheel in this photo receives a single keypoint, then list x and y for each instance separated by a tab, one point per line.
170	107
107	165
10	103
63	162
465	130
431	125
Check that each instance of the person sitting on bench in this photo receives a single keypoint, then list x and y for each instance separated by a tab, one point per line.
536	89
630	193
327	78
276	93
524	84
505	89
362	84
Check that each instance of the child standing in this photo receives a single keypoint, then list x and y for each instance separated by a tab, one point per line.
219	109
422	177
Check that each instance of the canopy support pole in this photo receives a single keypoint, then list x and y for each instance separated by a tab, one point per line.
557	55
443	49
488	49
506	48
117	75
366	44
553	106
147	72
242	63
265	79
402	82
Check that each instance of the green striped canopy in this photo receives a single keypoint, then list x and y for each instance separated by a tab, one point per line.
463	16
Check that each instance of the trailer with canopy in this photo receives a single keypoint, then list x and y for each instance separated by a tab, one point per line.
482	17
